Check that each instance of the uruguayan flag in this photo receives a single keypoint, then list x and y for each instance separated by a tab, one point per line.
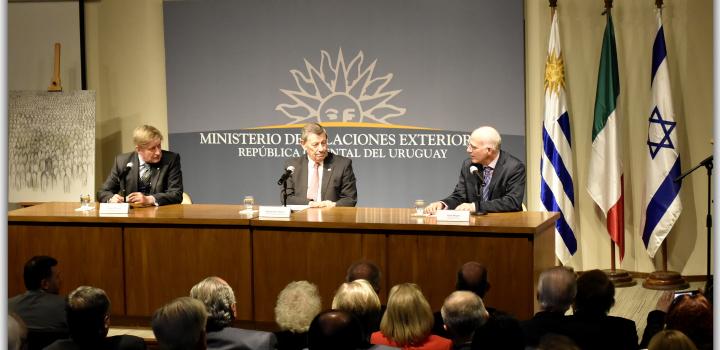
661	200
556	187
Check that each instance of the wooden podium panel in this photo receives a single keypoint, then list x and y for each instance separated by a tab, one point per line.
87	255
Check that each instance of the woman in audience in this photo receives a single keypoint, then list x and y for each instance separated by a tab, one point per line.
692	315
296	307
671	340
408	321
358	297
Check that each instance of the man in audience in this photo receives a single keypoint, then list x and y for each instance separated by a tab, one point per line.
590	326
365	270
180	325
88	316
219	300
556	291
463	312
338	330
471	277
40	307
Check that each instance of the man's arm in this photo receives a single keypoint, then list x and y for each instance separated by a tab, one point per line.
514	191
173	191
459	195
294	197
111	185
347	195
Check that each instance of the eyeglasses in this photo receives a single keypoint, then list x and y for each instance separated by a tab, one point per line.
472	147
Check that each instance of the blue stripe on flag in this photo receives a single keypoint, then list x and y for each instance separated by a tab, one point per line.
564	122
557	163
567	234
660	201
659	52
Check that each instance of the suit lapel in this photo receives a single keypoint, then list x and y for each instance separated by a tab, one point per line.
327	172
302	179
156	169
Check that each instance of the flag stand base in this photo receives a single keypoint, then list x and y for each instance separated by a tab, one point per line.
620	278
665	280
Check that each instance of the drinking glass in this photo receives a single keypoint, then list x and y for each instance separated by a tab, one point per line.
85	201
419	207
249	202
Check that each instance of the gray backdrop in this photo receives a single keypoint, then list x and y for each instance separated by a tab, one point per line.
400	83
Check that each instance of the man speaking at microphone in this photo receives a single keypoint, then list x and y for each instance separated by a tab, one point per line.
491	180
147	176
320	178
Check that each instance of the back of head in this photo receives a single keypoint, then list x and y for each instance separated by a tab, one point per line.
595	293
473	277
297	304
556	289
408	318
219	299
335	330
180	324
87	314
36	269
551	341
359	298
144	134
365	270
692	315
463	312
17	332
670	339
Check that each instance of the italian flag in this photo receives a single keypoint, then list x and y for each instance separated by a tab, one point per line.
605	179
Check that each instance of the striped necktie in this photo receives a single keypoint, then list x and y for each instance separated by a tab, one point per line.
487	176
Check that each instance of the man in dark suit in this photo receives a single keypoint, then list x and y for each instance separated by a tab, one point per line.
498	185
147	176
180	324
40	307
463	312
219	301
556	291
320	178
88	313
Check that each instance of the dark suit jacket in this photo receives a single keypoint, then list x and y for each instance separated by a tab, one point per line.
230	338
507	186
291	341
542	323
118	342
166	181
338	181
40	310
602	332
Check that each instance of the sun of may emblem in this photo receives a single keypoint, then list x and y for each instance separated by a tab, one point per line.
340	92
554	76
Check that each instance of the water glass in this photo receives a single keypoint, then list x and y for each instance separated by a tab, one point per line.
419	206
249	202
84	201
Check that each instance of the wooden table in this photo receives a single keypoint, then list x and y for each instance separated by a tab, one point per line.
156	254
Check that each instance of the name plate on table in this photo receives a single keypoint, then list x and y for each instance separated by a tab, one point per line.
114	208
453	215
274	212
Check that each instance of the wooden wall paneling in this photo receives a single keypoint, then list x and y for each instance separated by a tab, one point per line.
163	263
87	255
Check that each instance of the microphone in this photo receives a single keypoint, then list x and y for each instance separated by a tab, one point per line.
475	171
121	178
128	166
478	191
286	175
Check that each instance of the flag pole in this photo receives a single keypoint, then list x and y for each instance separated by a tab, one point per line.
664	279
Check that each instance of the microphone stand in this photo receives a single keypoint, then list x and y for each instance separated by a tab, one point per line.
708	164
284	193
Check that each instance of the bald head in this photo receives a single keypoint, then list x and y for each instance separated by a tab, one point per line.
556	289
463	312
335	330
472	277
487	136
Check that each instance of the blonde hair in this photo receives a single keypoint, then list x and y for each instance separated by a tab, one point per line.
144	134
297	304
408	319
671	339
357	297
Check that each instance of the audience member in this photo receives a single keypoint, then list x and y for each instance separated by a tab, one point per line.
556	291
40	307
408	321
656	318
671	340
219	300
590	326
551	341
693	316
296	307
365	270
359	298
463	312
335	330
88	316
180	325
17	333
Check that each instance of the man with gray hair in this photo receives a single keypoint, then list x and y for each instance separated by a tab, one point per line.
463	312
219	300
180	325
491	180
556	292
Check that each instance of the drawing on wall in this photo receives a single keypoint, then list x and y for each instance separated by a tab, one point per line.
51	145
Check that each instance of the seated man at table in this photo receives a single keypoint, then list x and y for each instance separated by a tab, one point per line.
320	178
40	307
491	180
147	176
